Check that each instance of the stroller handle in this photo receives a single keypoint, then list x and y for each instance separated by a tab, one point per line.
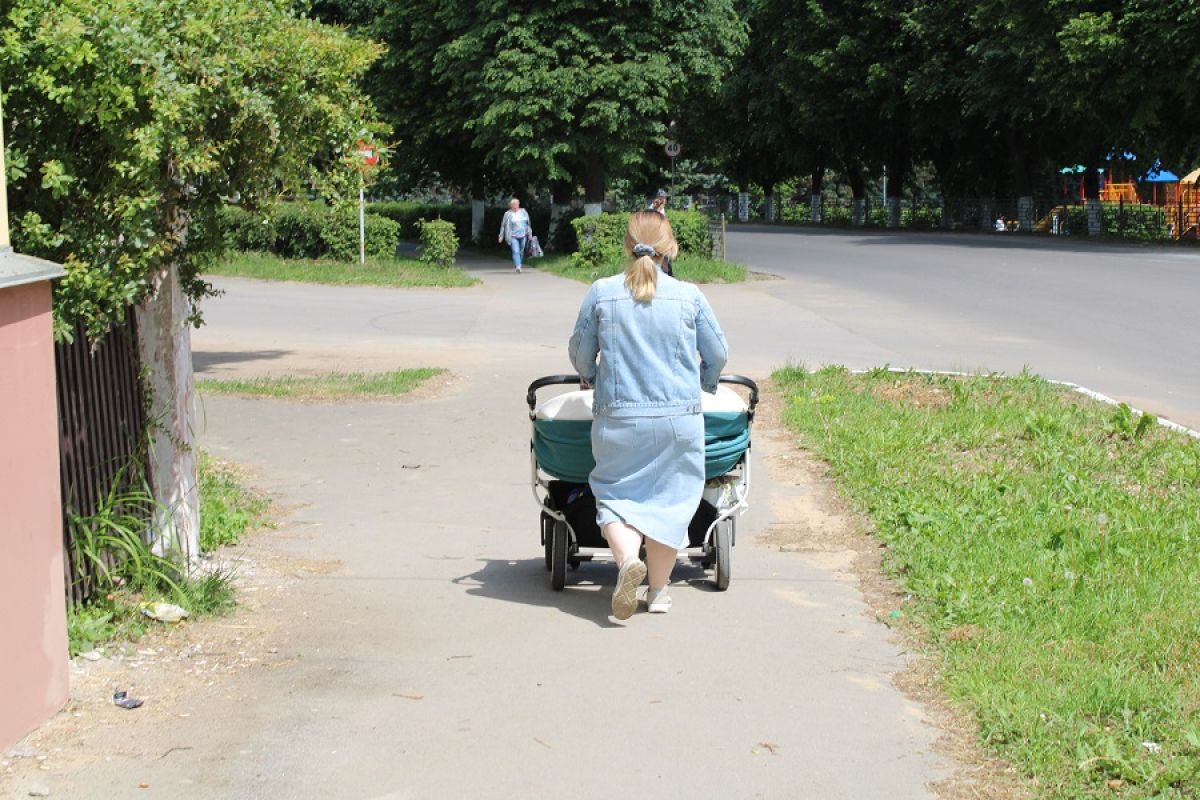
565	380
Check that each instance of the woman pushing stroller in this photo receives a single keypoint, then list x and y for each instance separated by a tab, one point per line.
636	342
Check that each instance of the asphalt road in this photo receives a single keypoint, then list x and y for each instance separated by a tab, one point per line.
1123	320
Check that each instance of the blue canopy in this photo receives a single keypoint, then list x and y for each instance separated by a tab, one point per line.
1156	174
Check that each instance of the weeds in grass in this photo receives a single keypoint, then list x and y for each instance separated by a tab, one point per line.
1063	534
395	272
227	508
111	546
332	386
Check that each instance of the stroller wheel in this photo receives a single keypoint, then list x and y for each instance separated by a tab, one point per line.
558	556
722	554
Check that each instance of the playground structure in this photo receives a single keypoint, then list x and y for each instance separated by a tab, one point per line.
1185	211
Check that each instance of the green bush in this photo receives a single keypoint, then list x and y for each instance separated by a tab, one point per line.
439	243
601	239
340	234
409	215
691	231
245	230
564	239
307	230
299	229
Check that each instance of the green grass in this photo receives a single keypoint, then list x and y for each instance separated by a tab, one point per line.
694	269
395	272
332	386
227	511
1050	545
228	508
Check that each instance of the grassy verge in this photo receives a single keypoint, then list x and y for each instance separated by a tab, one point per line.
227	511
332	386
694	269
1049	543
396	272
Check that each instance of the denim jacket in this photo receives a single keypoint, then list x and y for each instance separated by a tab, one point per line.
647	351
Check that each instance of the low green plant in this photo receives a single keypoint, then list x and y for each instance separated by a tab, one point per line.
409	216
227	508
329	387
111	555
308	230
109	546
439	243
396	271
1048	543
601	238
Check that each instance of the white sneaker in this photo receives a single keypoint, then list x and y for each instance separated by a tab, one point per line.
624	599
658	601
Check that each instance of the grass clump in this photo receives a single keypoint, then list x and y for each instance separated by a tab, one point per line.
228	508
694	269
329	387
1049	543
110	550
391	271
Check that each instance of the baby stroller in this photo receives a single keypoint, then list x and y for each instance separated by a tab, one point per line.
561	460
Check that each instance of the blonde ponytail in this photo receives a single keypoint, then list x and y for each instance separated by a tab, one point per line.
647	237
641	278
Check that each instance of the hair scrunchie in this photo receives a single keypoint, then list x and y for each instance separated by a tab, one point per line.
640	249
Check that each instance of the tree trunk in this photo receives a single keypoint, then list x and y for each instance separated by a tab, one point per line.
165	346
897	174
769	202
743	207
560	202
858	188
1091	191
817	185
477	210
595	182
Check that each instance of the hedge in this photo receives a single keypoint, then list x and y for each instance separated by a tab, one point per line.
410	214
601	239
308	230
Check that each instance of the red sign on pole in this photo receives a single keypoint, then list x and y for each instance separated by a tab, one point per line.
368	154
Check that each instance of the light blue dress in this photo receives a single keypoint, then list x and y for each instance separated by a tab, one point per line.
648	363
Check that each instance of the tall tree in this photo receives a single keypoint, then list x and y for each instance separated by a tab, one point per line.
573	90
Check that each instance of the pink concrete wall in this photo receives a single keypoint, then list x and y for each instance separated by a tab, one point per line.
33	621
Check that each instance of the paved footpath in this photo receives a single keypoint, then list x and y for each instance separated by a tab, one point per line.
528	692
436	661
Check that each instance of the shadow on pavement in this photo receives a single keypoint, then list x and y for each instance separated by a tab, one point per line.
206	359
587	592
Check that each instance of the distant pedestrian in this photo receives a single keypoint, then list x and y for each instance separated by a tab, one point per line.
659	202
516	230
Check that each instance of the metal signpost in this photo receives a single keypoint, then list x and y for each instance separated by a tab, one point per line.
369	159
673	149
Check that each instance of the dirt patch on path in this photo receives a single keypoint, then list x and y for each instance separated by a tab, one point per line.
176	670
820	525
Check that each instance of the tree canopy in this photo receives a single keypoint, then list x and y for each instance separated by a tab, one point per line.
575	90
130	123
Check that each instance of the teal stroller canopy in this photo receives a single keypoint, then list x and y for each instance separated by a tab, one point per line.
562	434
